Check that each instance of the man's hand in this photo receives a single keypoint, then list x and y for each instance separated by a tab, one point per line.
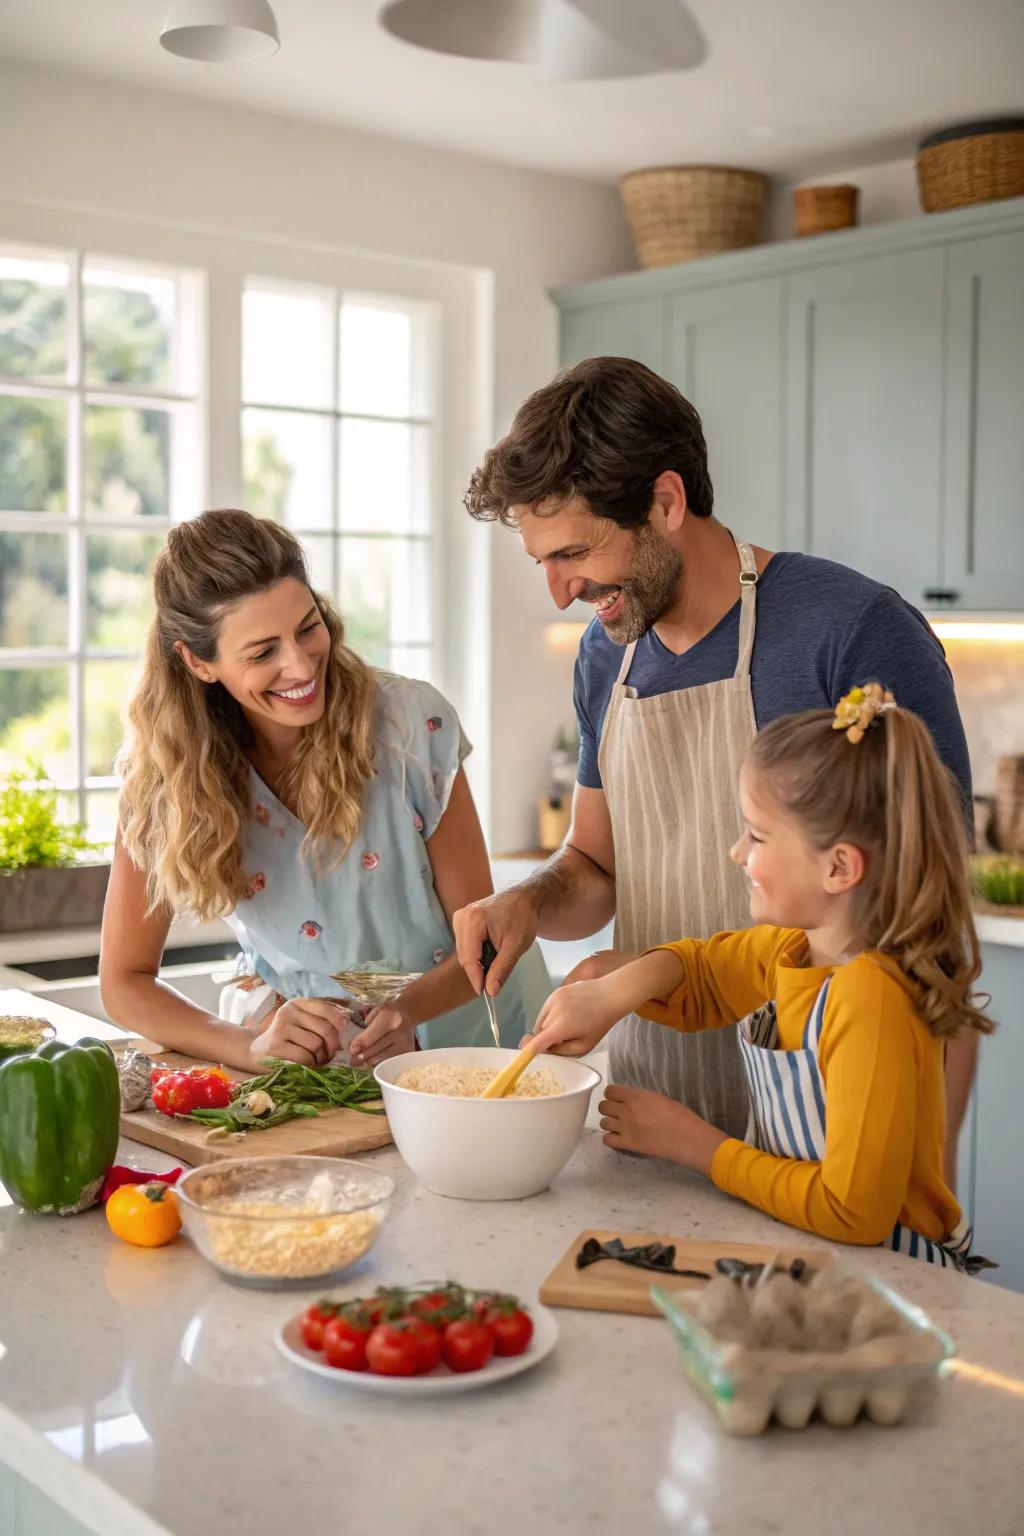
509	921
598	965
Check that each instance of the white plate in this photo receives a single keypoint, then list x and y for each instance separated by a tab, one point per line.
441	1380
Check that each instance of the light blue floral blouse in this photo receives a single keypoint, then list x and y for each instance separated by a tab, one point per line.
378	906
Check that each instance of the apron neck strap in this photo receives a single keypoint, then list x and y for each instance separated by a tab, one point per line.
627	662
748	607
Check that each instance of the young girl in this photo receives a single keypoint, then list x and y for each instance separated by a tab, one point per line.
860	968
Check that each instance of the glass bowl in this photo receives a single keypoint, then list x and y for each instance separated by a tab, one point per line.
371	988
284	1222
20	1034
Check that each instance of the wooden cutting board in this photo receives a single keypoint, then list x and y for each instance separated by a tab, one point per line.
334	1133
611	1287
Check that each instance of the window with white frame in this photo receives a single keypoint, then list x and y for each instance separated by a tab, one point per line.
100	434
339	441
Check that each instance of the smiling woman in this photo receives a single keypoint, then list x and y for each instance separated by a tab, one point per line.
271	777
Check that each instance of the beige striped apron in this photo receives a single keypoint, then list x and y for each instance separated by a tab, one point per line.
669	766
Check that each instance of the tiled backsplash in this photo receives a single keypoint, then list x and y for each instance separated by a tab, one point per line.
989	677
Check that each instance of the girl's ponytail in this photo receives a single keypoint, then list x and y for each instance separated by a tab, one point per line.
922	907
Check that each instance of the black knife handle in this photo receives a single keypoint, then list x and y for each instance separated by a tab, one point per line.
488	956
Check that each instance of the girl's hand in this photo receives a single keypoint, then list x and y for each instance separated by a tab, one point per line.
576	1018
638	1120
305	1029
388	1032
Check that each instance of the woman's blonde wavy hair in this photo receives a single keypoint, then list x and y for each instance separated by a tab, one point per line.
889	795
186	799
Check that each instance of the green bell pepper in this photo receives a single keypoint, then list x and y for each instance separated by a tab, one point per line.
59	1118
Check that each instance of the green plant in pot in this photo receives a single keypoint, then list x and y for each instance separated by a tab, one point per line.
45	881
999	879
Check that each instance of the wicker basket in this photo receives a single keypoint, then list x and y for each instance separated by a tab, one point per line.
821	209
680	212
976	163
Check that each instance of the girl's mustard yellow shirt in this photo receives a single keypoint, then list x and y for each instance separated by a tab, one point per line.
885	1108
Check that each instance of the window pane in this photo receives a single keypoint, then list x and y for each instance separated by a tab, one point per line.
384	474
383	359
128	327
33	590
413	661
119	589
287	463
33	318
101	816
286	346
108	687
385	594
127	456
35	719
33	454
320	560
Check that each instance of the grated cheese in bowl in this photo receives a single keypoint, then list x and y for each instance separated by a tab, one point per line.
284	1220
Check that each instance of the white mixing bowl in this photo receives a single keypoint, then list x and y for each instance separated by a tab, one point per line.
485	1149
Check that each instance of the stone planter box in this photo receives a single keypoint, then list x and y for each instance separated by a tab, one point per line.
53	898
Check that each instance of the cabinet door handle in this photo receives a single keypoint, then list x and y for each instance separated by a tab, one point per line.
940	595
972	425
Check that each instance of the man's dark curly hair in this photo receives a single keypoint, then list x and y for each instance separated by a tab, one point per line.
603	431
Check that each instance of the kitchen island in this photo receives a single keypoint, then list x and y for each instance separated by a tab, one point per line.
142	1394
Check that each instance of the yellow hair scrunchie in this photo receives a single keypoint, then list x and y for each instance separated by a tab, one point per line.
859	709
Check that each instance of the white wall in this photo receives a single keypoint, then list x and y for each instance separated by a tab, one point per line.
887	191
162	162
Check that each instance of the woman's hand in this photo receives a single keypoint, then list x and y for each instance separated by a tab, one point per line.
388	1032
305	1029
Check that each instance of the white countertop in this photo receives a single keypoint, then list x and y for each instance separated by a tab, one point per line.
993	928
144	1394
21	949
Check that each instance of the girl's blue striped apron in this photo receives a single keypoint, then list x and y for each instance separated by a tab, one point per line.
787	1097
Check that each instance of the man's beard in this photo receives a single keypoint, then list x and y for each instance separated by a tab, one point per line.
648	590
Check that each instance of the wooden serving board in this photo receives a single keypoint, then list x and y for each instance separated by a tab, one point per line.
334	1133
610	1287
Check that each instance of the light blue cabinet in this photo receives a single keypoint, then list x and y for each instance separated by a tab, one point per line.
617	330
864	416
862	393
994	1193
984	465
725	354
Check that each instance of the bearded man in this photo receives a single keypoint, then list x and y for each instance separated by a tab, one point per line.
698	640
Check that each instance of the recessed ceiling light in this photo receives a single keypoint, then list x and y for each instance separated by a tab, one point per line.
221	31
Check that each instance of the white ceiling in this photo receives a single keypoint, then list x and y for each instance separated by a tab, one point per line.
791	87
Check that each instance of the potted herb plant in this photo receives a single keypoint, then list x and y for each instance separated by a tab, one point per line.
45	879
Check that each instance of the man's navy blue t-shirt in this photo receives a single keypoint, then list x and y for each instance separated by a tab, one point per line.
821	629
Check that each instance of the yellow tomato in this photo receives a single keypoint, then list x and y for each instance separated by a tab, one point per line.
144	1214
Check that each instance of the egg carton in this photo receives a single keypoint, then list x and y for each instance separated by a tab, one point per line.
883	1378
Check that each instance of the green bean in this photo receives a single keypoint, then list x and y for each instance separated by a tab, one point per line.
297	1090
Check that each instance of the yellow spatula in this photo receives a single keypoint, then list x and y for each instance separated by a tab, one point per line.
503	1084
